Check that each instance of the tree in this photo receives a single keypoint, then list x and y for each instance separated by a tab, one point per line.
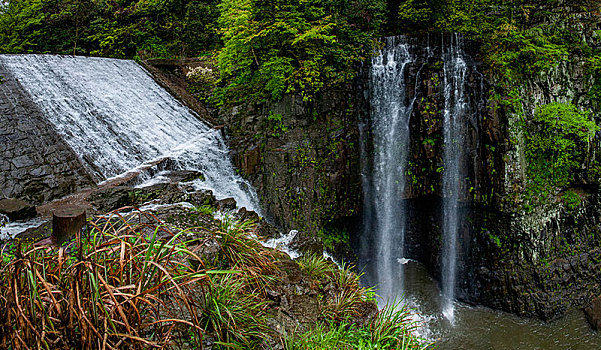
113	28
274	47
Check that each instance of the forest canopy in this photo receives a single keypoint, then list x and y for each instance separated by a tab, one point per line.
266	48
111	28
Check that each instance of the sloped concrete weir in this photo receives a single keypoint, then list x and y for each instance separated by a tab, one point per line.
36	164
114	116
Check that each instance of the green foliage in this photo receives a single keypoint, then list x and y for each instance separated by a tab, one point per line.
429	141
495	239
414	15
236	317
331	237
571	200
206	209
124	29
316	266
557	144
391	329
277	124
289	46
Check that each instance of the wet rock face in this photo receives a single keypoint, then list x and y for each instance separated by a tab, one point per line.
111	198
593	313
35	163
505	268
302	158
535	263
16	209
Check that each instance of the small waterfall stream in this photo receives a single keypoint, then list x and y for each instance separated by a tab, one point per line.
116	117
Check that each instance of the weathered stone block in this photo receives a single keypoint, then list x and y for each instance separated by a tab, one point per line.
17	209
593	313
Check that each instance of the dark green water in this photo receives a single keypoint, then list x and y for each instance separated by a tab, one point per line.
477	328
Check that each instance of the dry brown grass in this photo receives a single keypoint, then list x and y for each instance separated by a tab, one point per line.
125	284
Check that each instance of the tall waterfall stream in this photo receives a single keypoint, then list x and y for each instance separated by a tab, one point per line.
386	141
384	187
453	116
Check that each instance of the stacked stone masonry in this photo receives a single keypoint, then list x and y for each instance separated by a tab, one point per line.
35	163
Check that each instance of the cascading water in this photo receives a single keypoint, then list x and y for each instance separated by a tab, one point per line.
384	180
455	108
116	117
453	85
386	150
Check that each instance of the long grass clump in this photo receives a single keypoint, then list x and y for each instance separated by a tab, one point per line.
391	328
125	284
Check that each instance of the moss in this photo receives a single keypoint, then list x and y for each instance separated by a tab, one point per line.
334	236
557	140
142	196
571	200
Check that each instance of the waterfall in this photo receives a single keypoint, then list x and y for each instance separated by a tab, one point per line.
455	109
116	117
452	84
384	179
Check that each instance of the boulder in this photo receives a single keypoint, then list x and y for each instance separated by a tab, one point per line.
266	230
593	313
226	204
202	197
244	214
108	199
207	252
111	198
177	176
307	243
17	209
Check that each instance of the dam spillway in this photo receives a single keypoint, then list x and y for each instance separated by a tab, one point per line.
114	116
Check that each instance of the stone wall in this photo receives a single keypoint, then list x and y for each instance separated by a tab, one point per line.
35	163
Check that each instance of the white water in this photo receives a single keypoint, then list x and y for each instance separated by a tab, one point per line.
385	181
116	117
385	178
455	107
282	243
11	229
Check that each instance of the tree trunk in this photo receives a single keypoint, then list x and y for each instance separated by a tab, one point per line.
66	222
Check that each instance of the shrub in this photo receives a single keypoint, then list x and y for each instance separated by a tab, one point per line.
557	145
284	46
